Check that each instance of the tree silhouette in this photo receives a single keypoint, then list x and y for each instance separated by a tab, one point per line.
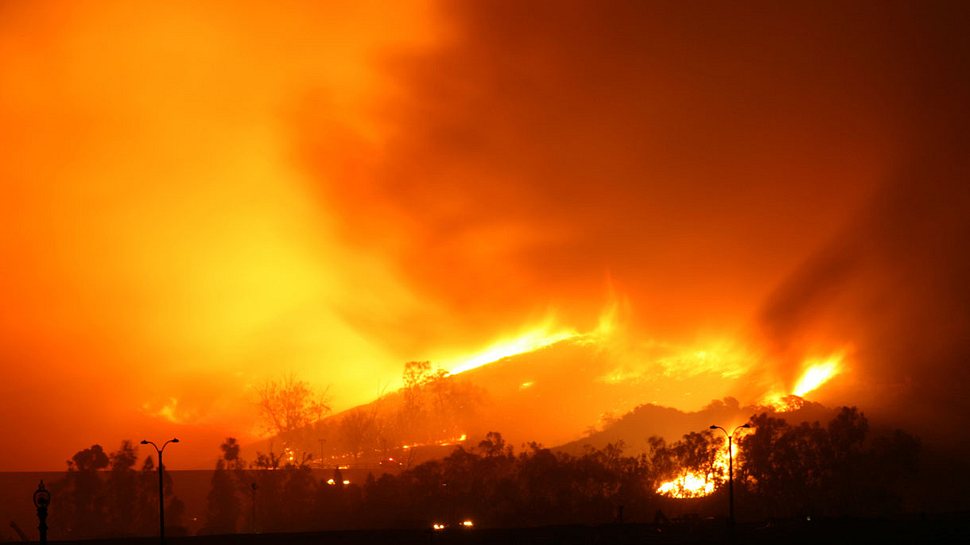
289	404
836	469
85	501
222	503
122	491
102	495
358	431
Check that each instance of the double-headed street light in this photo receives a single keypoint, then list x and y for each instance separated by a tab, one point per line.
730	438
161	485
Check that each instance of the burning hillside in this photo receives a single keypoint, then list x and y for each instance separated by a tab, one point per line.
552	385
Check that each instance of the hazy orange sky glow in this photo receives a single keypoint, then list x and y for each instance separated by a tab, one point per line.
198	196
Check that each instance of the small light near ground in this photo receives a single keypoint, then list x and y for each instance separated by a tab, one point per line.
346	481
438	526
467	523
331	482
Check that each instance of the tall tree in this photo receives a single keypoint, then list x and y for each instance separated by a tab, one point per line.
289	404
223	507
86	492
358	431
122	490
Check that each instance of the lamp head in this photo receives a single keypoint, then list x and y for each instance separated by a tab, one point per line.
175	440
42	497
713	427
144	441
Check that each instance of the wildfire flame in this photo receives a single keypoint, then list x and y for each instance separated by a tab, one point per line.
545	334
688	485
441	443
529	341
697	484
693	484
816	373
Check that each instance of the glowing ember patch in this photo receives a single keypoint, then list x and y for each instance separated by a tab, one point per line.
785	404
715	358
441	443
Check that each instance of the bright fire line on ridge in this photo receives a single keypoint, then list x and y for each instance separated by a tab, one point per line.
527	342
541	336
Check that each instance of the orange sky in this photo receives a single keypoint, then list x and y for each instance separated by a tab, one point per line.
200	197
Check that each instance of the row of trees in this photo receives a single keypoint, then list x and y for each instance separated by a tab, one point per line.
836	469
490	484
783	470
104	495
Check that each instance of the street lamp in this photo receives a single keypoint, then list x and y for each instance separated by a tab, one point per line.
161	485
42	499
253	486
730	438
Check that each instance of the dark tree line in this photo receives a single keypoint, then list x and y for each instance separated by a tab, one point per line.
490	485
782	470
103	495
832	470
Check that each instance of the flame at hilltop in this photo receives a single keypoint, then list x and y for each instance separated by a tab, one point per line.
536	338
816	375
529	341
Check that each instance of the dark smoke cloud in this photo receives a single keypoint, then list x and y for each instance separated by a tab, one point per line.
692	153
896	279
897	284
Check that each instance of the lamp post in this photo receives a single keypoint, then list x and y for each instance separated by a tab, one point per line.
42	499
161	485
253	486
730	438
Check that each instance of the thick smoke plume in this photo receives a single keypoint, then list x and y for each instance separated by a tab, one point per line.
895	281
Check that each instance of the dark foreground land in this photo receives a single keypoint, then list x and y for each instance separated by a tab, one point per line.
931	529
